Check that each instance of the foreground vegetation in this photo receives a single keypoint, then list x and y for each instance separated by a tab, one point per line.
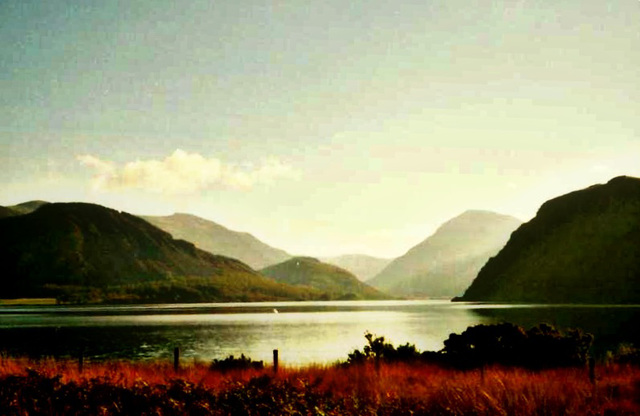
505	344
58	387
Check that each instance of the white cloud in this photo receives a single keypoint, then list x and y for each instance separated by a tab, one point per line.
183	173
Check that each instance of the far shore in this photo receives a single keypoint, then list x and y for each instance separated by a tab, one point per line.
29	301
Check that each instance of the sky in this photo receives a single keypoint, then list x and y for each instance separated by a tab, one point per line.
322	128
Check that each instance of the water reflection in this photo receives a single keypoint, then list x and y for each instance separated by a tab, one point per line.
611	325
304	332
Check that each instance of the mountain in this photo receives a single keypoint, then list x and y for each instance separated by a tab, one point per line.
84	252
7	212
582	247
214	238
362	266
27	207
334	282
444	264
21	209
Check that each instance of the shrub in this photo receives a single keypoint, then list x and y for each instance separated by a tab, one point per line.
379	350
626	354
232	363
542	346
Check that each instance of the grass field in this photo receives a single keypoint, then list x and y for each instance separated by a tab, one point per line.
58	387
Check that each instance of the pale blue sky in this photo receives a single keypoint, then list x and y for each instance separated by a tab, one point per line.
321	127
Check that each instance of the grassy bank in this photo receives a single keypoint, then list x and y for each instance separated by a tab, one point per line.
58	387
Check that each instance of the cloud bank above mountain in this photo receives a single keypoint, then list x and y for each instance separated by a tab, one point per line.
184	173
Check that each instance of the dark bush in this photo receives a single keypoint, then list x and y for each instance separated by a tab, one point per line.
232	363
540	347
379	350
504	344
625	354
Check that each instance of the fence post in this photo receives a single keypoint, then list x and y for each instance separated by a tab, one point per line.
275	361
176	359
80	362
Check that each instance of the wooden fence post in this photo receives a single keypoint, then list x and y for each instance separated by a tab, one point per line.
275	361
176	359
80	362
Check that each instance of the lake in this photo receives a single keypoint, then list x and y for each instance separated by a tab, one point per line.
303	332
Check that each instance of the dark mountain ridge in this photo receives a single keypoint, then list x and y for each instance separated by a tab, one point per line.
20	209
27	207
85	246
7	212
582	247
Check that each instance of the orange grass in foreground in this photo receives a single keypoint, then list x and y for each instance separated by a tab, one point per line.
388	389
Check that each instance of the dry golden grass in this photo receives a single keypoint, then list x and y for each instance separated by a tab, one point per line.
387	389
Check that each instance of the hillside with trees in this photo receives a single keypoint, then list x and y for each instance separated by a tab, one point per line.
582	247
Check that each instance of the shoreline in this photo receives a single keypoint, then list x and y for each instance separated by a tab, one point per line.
28	301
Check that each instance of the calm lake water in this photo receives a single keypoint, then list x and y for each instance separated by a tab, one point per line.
303	332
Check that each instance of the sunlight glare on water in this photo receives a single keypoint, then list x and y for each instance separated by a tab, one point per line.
303	332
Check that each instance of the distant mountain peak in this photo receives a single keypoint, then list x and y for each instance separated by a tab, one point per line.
446	262
476	216
479	212
34	203
28	207
218	239
305	259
